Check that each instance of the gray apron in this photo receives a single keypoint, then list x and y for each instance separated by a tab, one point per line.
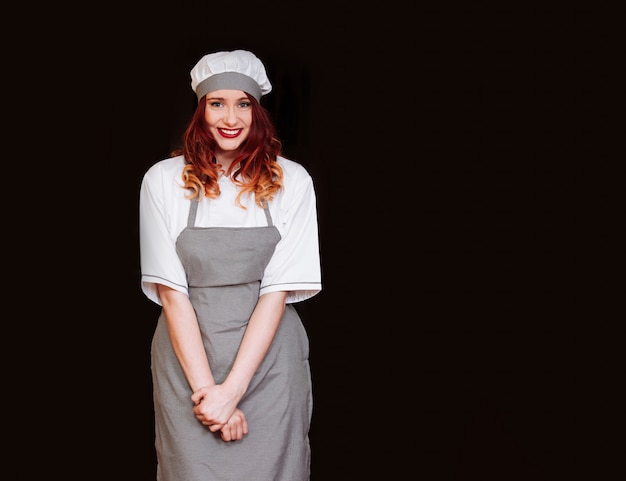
224	268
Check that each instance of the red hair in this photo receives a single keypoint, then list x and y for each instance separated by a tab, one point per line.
255	170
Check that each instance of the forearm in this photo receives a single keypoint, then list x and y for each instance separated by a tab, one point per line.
257	339
186	338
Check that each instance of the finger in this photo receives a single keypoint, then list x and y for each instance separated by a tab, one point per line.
197	397
215	427
226	434
240	430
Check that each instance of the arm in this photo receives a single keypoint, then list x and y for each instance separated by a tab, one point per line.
186	339
184	332
217	403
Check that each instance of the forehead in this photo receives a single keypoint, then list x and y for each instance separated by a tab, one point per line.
226	94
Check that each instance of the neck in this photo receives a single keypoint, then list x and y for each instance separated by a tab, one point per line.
225	159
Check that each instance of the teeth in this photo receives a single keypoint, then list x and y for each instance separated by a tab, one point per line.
229	132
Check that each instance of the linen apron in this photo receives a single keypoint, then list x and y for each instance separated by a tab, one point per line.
224	268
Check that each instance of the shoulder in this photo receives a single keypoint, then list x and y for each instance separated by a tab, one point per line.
166	167
165	171
298	187
293	171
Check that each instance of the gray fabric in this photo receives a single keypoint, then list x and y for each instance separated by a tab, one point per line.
224	268
228	81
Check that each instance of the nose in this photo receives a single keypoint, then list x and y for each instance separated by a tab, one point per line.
230	117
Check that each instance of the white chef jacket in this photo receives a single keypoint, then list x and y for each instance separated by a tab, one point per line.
163	210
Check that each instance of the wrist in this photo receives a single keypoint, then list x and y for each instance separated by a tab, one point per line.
237	387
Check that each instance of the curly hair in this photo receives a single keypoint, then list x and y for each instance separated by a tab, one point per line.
255	170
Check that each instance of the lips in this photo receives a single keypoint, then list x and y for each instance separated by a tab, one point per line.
229	133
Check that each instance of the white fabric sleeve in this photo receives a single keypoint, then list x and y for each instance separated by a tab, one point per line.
158	231
295	265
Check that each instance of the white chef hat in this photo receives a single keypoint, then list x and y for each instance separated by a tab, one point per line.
234	70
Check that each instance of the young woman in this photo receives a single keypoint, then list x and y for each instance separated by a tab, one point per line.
228	243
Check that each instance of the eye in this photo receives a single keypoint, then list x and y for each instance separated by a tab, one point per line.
244	105
216	104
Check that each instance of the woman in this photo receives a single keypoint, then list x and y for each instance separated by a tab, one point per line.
228	243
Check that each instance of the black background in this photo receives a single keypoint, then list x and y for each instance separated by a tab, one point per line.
432	346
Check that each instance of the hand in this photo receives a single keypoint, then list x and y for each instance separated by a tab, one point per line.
214	406
236	427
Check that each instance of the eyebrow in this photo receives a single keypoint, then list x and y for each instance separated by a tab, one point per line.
224	98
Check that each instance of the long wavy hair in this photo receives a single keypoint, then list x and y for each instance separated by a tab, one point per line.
255	170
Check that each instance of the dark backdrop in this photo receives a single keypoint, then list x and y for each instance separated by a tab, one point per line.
428	351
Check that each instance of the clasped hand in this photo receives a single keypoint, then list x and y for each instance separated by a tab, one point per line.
217	410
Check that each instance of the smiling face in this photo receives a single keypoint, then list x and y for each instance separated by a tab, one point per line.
228	114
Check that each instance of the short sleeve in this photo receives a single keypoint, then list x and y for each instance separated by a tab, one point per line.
295	265
159	228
